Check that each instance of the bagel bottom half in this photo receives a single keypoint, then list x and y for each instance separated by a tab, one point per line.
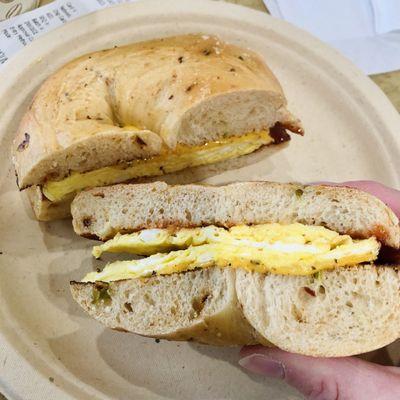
341	312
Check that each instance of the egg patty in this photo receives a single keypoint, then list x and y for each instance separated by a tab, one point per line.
293	249
168	161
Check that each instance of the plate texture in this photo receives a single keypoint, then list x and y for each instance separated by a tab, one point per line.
48	348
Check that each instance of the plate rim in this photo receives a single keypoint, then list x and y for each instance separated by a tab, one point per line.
24	60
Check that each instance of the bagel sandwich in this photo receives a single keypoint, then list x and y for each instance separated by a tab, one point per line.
145	109
303	268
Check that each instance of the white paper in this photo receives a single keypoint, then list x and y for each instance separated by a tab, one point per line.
366	31
387	15
19	31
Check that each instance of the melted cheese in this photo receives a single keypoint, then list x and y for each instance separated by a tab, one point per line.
293	249
169	161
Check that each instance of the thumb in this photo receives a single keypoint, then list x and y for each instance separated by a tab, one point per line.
324	378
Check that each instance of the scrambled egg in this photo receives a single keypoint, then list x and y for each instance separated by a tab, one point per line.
169	161
293	249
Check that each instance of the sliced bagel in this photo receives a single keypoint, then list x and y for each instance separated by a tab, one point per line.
145	100
309	269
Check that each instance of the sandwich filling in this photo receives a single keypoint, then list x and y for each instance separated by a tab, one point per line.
293	249
168	161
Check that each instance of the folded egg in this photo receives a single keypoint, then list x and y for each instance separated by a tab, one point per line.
169	161
293	249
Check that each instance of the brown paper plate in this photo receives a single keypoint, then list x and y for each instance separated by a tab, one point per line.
49	349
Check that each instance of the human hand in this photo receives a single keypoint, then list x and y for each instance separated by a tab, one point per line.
344	378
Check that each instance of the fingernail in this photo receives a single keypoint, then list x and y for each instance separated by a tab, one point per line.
261	364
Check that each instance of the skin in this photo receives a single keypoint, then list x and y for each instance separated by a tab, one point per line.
345	378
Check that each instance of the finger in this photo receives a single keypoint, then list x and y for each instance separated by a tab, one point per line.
324	378
390	196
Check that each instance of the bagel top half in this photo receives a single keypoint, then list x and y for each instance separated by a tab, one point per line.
141	100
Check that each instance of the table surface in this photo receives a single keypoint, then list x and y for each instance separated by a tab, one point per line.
390	84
